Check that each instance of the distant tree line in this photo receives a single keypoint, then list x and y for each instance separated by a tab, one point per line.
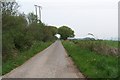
20	31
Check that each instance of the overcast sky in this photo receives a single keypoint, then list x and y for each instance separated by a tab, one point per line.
99	17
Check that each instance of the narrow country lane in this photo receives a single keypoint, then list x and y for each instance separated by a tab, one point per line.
53	62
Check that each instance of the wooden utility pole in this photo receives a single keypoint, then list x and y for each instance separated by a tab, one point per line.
39	12
36	11
36	6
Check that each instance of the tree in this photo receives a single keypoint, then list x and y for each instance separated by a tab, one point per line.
35	32
53	29
19	32
9	8
49	33
32	18
65	32
13	29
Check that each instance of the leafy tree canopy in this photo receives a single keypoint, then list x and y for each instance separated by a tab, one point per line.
65	32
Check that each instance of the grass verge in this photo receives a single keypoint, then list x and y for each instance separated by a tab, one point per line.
22	57
91	64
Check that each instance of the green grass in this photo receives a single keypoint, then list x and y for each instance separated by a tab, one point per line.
99	46
22	57
91	64
111	43
0	70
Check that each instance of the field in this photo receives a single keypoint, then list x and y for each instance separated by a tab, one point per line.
91	63
12	63
113	44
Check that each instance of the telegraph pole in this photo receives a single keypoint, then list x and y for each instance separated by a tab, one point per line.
36	6
36	11
39	12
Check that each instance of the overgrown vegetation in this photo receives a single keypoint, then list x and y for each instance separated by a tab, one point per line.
90	63
21	31
99	46
113	44
22	36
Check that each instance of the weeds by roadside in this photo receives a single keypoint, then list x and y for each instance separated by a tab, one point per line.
99	46
92	64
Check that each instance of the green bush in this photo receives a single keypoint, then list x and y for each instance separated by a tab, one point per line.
7	45
19	35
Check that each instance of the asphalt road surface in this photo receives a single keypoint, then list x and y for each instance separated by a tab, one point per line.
52	62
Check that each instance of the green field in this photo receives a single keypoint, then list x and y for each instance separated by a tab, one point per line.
90	63
99	46
112	43
12	63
